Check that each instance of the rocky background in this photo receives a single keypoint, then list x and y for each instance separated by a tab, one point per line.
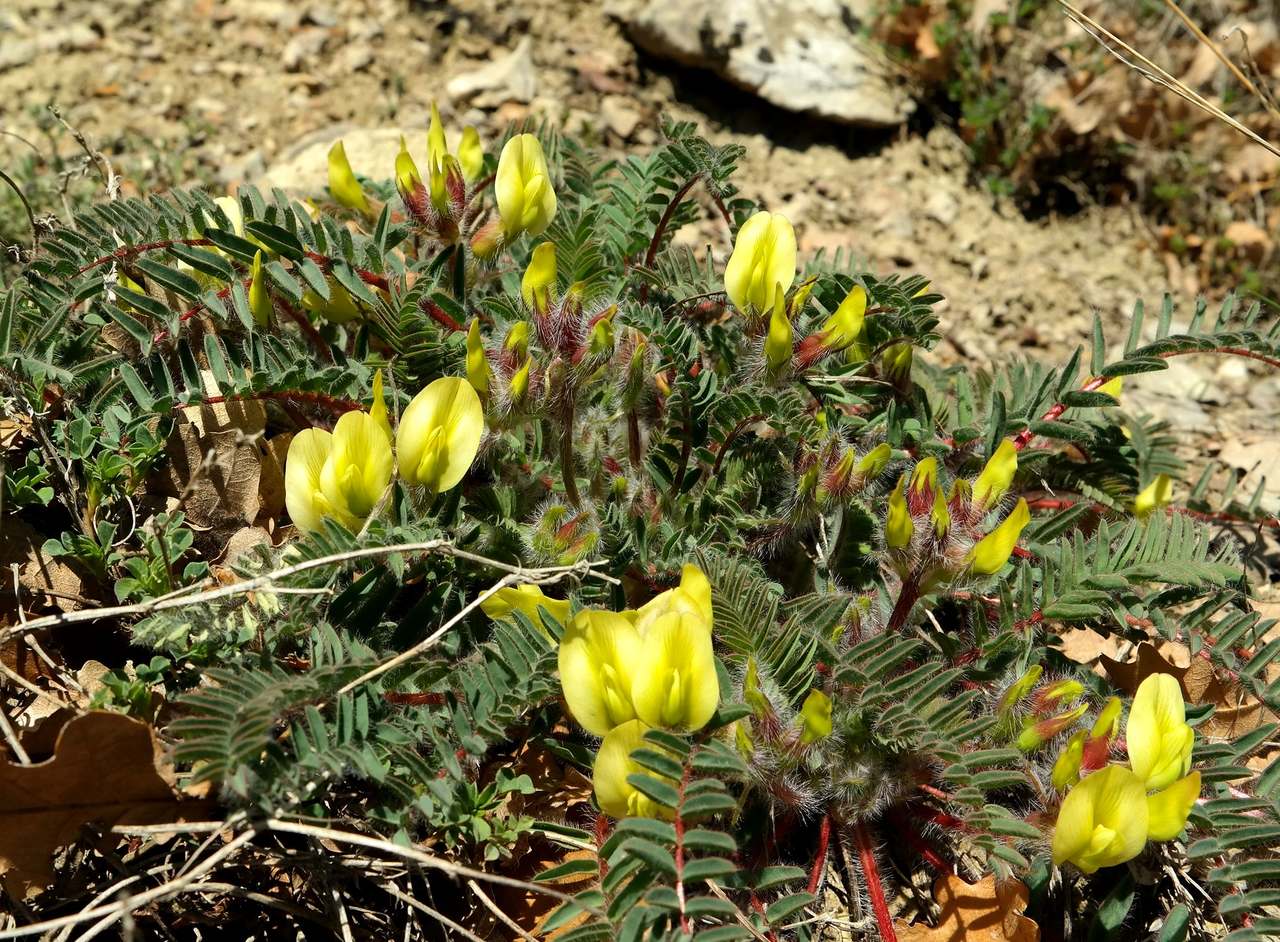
839	136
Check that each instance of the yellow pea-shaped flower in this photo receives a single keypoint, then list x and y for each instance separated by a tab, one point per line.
1157	734
844	328
1167	809
540	277
343	474
527	599
260	305
763	263
599	656
616	796
674	683
990	553
815	717
1155	496
526	198
898	527
1066	768
996	475
471	154
478	371
1103	820
778	341
439	434
343	185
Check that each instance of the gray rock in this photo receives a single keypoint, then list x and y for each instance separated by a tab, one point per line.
620	115
802	55
510	78
303	170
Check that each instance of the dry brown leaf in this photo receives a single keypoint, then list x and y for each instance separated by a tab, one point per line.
979	912
46	579
1085	646
271	484
1127	675
216	475
103	769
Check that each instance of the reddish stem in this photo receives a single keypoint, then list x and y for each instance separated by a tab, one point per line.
659	232
875	888
132	251
820	861
325	264
902	608
332	403
1227	351
1023	438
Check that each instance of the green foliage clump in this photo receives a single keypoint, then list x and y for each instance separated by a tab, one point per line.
634	423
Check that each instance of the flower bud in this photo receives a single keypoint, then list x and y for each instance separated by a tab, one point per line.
777	344
1108	722
815	715
437	144
763	263
408	180
1061	693
1019	689
996	476
895	363
844	329
526	598
477	360
260	305
517	340
488	240
526	199
563	535
993	550
471	154
599	657
439	434
1153	497
1036	734
614	794
898	528
600	340
1066	768
540	277
1157	735
343	185
341	308
1103	821
674	685
875	461
940	516
518	387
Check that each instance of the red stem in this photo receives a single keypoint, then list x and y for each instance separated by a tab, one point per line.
132	251
1227	351
902	608
1023	438
659	232
875	888
820	861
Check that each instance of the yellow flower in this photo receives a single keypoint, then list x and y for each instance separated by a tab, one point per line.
924	476
600	340
763	263
991	552
815	713
339	309
477	361
692	595
526	199
843	329
540	277
940	516
340	475
518	388
777	344
408	180
1108	722
1153	497
1157	733
1103	820
517	340
616	796
437	145
343	185
527	599
1063	693
997	475
674	684
439	434
1168	808
896	362
1112	387
600	654
875	461
259	295
471	154
1019	689
1066	769
898	528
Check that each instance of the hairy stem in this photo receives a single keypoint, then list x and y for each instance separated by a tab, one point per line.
566	457
820	858
875	887
902	608
656	242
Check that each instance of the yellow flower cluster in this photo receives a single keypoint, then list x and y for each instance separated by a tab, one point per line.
626	672
1108	817
342	475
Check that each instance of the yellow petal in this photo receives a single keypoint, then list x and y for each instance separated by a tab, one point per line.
407	177
1103	820
940	516
674	685
308	451
471	154
540	277
477	361
898	528
440	433
1153	497
1108	722
993	550
359	466
875	461
777	345
527	599
437	145
343	185
1066	769
997	475
815	714
762	264
1167	810
844	327
695	587
598	655
924	476
1157	735
615	796
525	197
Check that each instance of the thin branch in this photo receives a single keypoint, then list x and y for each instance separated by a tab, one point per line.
1222	57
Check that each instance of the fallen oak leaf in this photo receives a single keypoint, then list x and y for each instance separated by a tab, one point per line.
103	769
1127	675
985	911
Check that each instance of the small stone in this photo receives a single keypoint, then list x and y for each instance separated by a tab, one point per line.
354	57
511	78
305	46
942	206
620	115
